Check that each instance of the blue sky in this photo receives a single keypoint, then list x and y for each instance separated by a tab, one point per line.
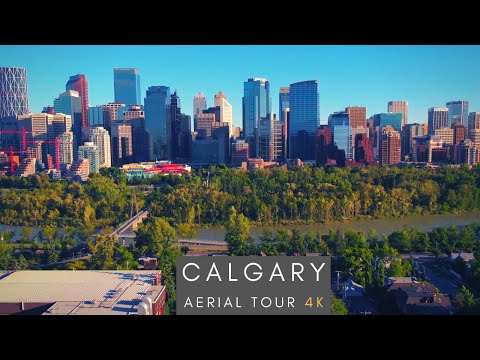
348	75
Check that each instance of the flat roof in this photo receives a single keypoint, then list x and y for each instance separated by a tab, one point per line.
81	292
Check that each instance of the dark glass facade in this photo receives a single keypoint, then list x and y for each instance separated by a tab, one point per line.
158	122
339	122
256	104
304	118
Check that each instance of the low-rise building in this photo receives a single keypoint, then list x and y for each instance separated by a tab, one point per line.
61	292
413	298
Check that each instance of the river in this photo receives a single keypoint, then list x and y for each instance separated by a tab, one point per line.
382	226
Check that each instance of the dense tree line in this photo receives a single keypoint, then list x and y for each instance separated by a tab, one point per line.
312	195
277	196
37	201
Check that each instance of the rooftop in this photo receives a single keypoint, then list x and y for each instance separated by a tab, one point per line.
80	292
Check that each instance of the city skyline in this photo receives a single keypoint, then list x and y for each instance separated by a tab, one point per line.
370	76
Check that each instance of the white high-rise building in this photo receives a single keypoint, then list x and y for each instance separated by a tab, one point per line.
65	144
225	110
90	151
101	138
399	107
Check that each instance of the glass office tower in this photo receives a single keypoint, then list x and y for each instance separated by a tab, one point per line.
304	119
127	86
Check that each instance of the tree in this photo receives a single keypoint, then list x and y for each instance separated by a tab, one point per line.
22	263
153	235
6	255
338	306
186	231
237	233
465	300
400	268
102	250
25	234
76	265
125	259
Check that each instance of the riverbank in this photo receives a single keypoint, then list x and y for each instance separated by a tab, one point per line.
382	226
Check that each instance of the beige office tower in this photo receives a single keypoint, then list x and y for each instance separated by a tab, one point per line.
101	138
446	134
399	107
225	110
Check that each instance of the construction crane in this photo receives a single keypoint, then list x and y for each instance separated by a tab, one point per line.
24	141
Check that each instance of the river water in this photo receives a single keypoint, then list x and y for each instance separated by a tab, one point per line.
382	226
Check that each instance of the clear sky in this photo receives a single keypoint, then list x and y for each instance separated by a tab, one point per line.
348	75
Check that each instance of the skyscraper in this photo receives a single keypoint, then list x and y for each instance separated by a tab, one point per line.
363	148
266	127
13	102
225	110
304	119
90	151
437	119
399	107
199	104
341	131
65	144
459	134
122	150
127	86
256	104
180	139
135	117
473	121
390	146
101	138
96	116
113	109
357	116
13	92
384	119
457	112
158	121
79	83
204	123
283	104
61	123
411	131
69	103
467	153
